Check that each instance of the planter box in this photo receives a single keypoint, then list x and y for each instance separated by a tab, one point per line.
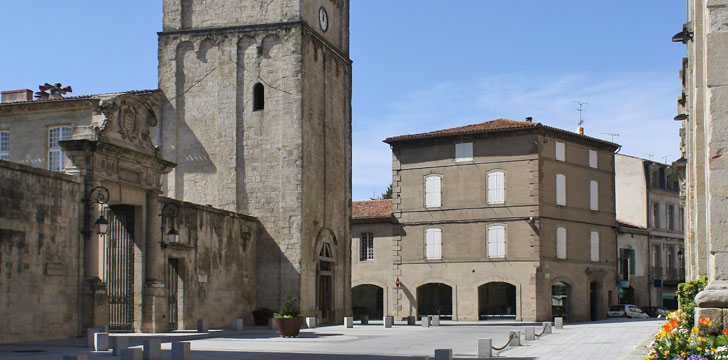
289	327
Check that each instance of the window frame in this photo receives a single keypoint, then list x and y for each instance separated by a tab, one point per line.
463	158
500	251
495	200
562	244
366	246
258	97
56	150
5	154
439	193
560	190
655	215
435	245
670	216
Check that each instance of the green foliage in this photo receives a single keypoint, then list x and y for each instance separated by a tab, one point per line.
386	195
679	340
686	296
289	308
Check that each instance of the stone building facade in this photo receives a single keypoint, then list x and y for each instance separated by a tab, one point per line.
256	112
704	177
502	218
649	232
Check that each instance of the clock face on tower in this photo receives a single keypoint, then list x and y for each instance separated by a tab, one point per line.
323	19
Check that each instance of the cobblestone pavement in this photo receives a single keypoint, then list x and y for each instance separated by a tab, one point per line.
600	340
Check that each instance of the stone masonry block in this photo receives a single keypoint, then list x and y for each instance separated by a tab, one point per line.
180	351
716	317
349	322
152	349
238	324
202	325
101	341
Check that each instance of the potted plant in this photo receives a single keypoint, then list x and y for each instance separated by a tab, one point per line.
261	316
288	319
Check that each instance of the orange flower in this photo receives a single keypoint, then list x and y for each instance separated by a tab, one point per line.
705	321
725	332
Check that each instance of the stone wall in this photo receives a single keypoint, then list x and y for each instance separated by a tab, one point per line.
40	248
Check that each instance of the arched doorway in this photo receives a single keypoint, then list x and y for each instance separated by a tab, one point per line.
434	299
560	300
496	299
325	262
626	295
367	300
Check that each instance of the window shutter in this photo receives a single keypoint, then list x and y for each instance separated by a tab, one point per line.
560	189
496	188
433	243
594	195
561	243
594	246
464	152
496	242
560	151
432	191
593	159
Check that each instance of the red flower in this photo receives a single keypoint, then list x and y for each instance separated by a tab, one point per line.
705	321
725	332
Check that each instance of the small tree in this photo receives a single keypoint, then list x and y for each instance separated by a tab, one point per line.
289	308
386	195
686	296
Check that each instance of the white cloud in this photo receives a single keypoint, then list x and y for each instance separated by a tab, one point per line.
639	107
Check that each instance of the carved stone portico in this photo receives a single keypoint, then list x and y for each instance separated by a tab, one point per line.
116	153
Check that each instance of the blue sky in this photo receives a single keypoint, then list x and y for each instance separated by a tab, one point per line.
419	65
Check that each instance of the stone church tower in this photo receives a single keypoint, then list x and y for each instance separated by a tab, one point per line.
257	115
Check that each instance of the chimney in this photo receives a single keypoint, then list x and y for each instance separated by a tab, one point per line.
17	95
529	119
581	130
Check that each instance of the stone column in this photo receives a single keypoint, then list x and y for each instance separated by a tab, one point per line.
95	301
154	305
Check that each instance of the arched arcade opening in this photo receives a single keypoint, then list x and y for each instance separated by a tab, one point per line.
367	300
496	299
434	299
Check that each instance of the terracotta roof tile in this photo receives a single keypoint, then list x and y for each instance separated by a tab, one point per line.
371	208
497	124
78	97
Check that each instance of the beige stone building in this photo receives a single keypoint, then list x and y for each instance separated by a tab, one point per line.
502	218
704	177
649	232
244	152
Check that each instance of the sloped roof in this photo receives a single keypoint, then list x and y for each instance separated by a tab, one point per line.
371	208
79	97
497	124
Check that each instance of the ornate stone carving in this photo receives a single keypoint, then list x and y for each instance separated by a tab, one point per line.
127	118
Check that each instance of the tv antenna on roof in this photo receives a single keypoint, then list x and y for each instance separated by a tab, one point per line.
580	110
664	158
612	135
649	156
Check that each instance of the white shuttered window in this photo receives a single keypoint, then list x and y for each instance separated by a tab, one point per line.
433	244
56	157
432	191
561	189
560	151
4	145
496	241
464	152
496	188
561	242
594	244
593	159
593	195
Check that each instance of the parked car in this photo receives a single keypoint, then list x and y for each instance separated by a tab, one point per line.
626	310
656	311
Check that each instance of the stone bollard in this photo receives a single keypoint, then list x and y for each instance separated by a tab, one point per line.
530	333
152	349
202	325
349	322
485	348
311	322
101	341
516	340
364	320
103	328
435	320
75	357
131	354
180	351
388	321
411	320
559	323
238	324
443	354
119	343
90	336
425	321
547	327
272	324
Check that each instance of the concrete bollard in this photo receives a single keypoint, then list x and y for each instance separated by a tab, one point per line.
547	327
75	357
388	321
485	348
131	354
530	333
311	322
349	322
180	351
425	321
90	336
152	349
103	328
559	323
443	354
238	324
202	325
435	320
364	320
272	324
119	343
411	320
516	340
101	341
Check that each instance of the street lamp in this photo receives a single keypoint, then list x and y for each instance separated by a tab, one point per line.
100	195
171	211
680	255
680	117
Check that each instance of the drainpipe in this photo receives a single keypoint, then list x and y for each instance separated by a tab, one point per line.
649	268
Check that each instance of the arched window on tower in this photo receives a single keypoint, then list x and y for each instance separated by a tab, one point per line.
258	97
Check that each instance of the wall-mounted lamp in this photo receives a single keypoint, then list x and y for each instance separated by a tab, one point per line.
680	255
681	117
100	195
169	211
683	36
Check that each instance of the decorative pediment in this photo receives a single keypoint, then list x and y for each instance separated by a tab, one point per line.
127	122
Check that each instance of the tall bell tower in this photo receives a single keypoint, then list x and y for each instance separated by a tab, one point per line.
257	115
